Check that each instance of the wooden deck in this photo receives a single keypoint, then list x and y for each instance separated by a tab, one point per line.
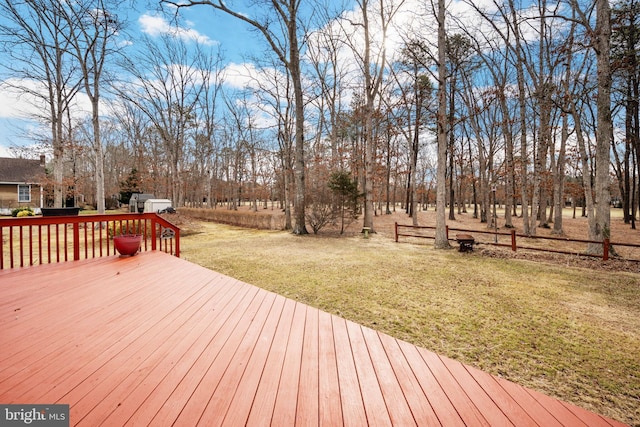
156	340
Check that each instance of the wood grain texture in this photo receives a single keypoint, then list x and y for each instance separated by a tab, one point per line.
156	340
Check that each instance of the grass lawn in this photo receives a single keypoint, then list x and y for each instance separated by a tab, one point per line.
571	333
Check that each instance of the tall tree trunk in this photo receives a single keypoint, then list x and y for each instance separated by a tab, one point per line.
294	66
369	145
451	148
441	240
558	179
522	101
604	131
99	156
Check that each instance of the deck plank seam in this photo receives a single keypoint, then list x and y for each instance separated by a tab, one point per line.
229	313
195	315
223	359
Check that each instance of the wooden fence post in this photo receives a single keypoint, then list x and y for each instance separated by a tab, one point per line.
396	227
513	240
605	249
447	228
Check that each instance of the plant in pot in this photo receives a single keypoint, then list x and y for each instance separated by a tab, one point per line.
127	240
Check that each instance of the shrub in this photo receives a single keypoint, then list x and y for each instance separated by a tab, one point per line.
21	212
263	221
318	215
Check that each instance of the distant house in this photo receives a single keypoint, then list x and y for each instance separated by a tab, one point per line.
21	182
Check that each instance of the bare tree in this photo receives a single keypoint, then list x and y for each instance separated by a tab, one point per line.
95	25
273	89
415	92
283	39
600	38
626	72
441	239
165	85
331	79
458	51
371	56
35	35
206	145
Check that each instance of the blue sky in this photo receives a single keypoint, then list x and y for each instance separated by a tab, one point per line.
202	23
210	27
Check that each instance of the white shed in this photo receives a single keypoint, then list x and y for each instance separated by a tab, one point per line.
156	205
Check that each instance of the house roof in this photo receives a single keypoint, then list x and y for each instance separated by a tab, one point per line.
21	171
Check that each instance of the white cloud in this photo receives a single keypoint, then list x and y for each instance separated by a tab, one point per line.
155	26
18	99
13	104
240	76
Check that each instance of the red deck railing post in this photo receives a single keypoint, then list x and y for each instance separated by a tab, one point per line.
154	234
605	249
30	245
21	248
447	228
10	247
76	241
2	251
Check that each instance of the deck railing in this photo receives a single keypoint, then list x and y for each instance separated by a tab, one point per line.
43	240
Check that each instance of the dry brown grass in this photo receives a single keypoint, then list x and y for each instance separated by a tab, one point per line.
570	332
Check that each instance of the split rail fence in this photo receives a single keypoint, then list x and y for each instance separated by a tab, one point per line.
512	239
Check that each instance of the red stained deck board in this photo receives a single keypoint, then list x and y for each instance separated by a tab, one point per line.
444	409
590	418
308	406
394	398
350	395
569	414
55	340
420	408
207	392
265	397
126	340
239	408
518	415
330	406
154	392
39	326
458	396
284	409
195	390
169	399
236	370
539	409
153	340
490	411
374	404
124	360
149	369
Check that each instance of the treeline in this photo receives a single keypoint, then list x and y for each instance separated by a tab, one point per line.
353	93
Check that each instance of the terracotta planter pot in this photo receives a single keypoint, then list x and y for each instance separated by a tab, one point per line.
127	244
